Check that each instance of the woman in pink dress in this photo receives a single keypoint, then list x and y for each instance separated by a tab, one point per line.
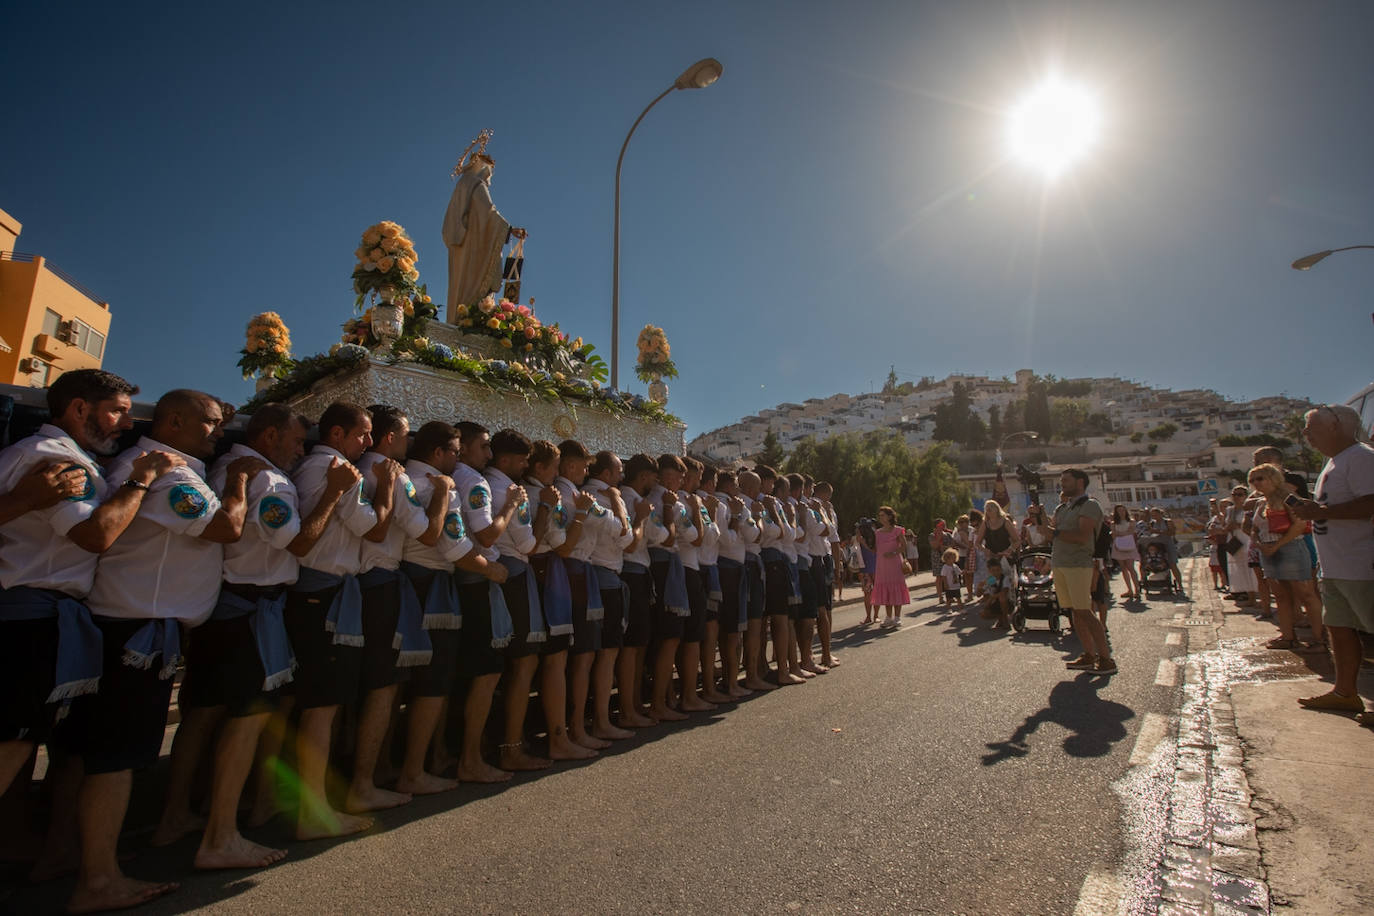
889	581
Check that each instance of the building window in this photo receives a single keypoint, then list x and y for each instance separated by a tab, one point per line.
50	322
88	338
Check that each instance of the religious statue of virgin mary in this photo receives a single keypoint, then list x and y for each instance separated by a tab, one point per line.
474	230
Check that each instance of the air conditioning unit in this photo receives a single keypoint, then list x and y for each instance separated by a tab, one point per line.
30	365
66	332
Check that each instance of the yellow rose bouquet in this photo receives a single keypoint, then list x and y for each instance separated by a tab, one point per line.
386	264
654	356
267	346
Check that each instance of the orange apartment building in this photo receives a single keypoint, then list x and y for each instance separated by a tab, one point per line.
49	323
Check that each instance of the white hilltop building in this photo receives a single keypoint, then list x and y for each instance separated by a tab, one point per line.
1132	467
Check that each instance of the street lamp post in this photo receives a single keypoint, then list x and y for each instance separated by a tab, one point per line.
698	76
1307	262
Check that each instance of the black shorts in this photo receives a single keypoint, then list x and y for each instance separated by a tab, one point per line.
1101	589
223	667
694	626
435	679
809	608
666	625
754	573
516	589
586	635
777	588
28	671
730	577
613	626
328	674
381	610
638	614
122	726
476	655
820	574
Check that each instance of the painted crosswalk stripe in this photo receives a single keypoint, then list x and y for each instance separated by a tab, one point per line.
1167	675
1101	894
1174	639
1153	730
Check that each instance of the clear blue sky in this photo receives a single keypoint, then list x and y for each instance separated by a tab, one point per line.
839	202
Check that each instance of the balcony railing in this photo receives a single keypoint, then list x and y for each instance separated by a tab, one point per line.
67	278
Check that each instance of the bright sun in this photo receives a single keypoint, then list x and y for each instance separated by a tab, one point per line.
1054	126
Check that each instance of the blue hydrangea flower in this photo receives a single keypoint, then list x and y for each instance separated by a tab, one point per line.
441	350
499	365
352	353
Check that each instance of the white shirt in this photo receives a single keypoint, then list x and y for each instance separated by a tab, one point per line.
34	548
338	552
518	540
686	534
556	532
654	532
788	541
833	523
613	537
731	543
474	494
272	521
771	533
408	517
1345	546
453	543
816	543
709	551
596	524
159	566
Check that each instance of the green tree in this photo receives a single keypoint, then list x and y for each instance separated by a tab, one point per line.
772	454
890	385
1038	409
995	433
879	468
1163	432
1068	416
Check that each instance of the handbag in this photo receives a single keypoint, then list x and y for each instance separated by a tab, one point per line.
906	567
1124	542
1233	545
510	273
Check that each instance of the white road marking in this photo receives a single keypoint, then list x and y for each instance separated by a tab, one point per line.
1174	639
1153	730
1167	675
1100	895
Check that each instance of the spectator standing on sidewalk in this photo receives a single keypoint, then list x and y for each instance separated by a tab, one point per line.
1074	535
1341	512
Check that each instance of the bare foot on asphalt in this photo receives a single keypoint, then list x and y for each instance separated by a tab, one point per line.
516	759
609	732
373	799
425	784
482	772
171	829
118	893
238	853
330	823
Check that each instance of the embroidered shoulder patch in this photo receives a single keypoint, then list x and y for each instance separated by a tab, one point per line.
274	511
186	501
410	494
480	497
522	512
560	516
87	485
362	495
453	526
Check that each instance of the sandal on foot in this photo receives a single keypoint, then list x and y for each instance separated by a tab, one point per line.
1281	643
1312	647
1366	719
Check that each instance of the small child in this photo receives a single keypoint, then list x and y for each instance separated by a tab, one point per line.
951	577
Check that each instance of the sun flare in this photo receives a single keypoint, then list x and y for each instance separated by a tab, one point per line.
1054	126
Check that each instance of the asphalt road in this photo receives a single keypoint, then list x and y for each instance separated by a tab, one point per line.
943	768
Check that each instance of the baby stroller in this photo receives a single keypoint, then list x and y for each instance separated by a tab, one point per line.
1035	598
1154	568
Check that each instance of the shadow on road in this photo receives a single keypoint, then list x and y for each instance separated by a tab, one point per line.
1096	724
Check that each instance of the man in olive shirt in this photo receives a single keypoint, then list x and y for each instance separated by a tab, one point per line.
1074	530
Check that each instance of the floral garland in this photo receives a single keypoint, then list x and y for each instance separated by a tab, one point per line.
386	263
415	310
267	346
654	362
518	329
308	371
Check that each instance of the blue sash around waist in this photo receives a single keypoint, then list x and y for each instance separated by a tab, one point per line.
557	597
713	592
79	641
411	641
595	609
159	636
518	567
607	581
675	586
345	616
269	631
502	629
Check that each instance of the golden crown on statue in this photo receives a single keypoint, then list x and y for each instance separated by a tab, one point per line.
478	150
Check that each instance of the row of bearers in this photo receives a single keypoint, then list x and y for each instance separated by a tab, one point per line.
434	564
